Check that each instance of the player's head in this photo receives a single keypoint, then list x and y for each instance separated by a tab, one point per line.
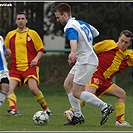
125	39
62	12
21	20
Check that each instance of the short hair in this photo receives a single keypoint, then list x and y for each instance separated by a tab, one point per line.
61	8
127	33
19	13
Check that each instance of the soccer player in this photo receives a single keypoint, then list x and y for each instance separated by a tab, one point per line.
4	72
113	59
80	34
26	50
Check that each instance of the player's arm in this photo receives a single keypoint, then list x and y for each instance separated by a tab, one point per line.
37	58
104	45
130	55
72	56
7	51
72	36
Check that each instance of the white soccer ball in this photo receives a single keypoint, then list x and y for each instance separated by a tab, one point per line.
40	118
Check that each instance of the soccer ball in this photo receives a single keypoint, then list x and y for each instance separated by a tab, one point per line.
40	118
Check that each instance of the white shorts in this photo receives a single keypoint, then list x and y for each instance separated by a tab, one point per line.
82	73
4	74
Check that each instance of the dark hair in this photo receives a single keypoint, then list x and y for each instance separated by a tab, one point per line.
127	33
62	7
19	13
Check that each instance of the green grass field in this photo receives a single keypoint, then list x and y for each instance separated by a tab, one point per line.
58	103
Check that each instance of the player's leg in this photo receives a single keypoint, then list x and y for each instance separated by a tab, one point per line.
82	103
12	99
88	97
105	108
4	90
69	113
120	104
68	84
74	102
32	84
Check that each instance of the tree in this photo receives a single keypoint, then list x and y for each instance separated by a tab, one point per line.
110	18
4	17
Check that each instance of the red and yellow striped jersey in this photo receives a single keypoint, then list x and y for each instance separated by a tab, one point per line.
111	59
24	47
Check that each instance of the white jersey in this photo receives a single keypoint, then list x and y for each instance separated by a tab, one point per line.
3	62
84	33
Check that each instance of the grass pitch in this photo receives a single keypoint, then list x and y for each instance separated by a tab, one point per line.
58	103
52	75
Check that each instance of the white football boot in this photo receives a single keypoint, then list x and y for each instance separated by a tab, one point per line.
125	123
68	114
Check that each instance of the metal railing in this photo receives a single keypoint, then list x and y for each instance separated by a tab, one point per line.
57	50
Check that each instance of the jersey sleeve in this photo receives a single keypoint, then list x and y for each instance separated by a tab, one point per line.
6	41
94	31
71	34
130	60
4	48
38	44
2	43
105	45
8	37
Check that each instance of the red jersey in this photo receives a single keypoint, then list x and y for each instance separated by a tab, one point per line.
24	47
111	59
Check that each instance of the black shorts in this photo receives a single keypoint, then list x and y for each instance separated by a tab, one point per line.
4	80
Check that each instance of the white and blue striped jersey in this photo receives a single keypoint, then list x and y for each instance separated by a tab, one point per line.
84	33
3	62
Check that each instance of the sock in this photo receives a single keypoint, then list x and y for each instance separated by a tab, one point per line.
12	99
3	95
75	105
41	100
120	112
93	100
82	103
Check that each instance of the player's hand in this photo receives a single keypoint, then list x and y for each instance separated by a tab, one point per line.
8	52
70	62
34	62
72	59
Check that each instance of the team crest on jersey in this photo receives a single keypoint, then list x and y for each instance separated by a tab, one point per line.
29	38
127	57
